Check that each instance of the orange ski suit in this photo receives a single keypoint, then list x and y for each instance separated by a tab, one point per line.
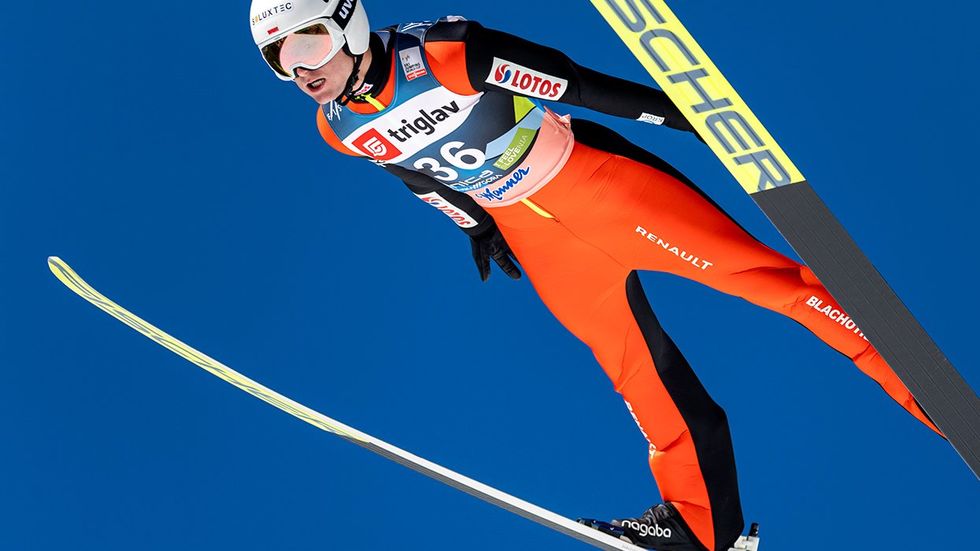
615	210
611	209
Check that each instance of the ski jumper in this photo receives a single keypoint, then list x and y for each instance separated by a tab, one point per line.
583	209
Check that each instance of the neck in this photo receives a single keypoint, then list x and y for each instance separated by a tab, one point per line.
366	60
375	66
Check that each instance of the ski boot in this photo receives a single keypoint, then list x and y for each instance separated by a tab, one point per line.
660	528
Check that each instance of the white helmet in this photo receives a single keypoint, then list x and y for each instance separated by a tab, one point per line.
274	20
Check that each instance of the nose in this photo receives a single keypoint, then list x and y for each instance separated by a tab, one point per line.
302	72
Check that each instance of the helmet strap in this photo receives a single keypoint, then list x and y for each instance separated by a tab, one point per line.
345	96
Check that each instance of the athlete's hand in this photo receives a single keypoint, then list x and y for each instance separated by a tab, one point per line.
491	244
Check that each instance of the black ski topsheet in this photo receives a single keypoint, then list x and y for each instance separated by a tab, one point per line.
823	243
662	44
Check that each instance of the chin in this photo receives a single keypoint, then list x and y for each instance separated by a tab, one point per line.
323	98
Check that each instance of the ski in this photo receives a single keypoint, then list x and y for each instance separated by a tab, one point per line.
665	48
476	489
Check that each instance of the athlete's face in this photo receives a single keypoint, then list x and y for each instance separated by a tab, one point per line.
327	82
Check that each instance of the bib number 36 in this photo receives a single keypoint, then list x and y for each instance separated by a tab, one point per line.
452	153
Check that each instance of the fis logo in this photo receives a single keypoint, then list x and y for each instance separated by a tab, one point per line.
524	81
374	145
332	110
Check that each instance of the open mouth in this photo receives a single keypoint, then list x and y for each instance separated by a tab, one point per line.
316	84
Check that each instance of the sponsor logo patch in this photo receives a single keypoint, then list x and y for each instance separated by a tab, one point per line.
455	213
499	193
644	529
412	63
651	119
373	144
274	10
344	12
408	128
696	261
425	123
662	45
835	314
629	406
525	81
481	180
515	151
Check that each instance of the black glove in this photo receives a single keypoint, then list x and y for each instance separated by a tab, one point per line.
491	244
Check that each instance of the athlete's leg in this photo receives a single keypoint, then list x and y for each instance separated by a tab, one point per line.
600	301
651	220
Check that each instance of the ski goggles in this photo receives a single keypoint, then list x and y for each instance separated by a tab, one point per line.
309	47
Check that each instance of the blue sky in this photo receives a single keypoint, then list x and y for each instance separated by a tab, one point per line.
149	146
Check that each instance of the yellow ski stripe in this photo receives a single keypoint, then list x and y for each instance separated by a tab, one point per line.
683	70
421	465
72	280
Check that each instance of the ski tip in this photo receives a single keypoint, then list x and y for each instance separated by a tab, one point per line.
55	264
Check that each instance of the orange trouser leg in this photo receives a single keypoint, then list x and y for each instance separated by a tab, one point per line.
649	220
615	215
600	301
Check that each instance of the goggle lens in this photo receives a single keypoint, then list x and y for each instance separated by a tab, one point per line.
310	47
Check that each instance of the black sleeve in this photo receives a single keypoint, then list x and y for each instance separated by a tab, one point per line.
459	207
585	87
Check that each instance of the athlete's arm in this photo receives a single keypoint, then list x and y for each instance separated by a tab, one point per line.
459	207
584	87
485	238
